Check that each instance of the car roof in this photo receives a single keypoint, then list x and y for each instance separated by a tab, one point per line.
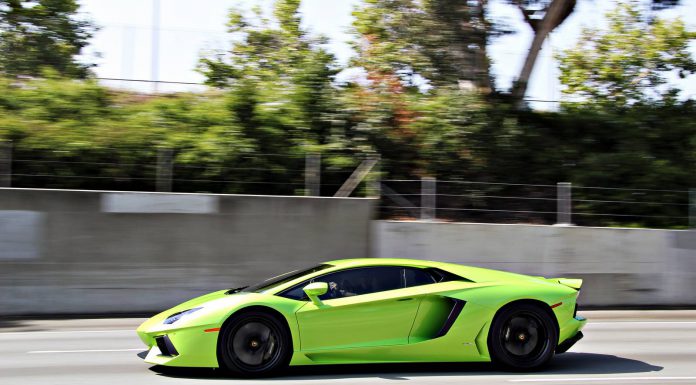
476	274
343	263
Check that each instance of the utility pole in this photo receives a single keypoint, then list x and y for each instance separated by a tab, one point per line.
155	45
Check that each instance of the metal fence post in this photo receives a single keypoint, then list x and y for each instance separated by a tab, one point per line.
6	164
164	169
564	205
374	182
428	198
692	208
313	175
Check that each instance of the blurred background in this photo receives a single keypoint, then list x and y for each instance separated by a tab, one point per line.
389	121
156	150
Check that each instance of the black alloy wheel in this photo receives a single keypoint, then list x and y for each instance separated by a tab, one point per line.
254	344
522	337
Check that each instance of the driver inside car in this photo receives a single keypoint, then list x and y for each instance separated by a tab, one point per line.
339	291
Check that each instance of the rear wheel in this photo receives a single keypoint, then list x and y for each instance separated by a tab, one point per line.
522	337
254	343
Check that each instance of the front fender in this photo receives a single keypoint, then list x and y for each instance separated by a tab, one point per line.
196	334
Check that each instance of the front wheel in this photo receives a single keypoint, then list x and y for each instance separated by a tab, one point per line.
522	337
253	344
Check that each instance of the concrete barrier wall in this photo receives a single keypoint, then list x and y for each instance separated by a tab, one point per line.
64	252
621	267
112	252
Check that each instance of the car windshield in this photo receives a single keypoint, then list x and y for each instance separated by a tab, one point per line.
283	278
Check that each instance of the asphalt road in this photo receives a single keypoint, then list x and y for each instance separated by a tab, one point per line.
627	347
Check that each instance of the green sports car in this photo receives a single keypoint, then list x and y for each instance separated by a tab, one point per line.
371	311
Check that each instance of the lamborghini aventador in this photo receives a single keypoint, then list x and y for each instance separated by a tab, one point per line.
371	311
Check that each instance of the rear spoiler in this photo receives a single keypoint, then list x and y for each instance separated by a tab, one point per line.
574	283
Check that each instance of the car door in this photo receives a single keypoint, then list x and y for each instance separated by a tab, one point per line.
364	307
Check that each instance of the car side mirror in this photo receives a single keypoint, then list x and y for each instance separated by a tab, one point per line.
314	290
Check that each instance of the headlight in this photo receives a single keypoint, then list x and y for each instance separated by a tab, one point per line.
177	316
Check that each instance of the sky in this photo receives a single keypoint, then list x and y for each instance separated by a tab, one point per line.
124	43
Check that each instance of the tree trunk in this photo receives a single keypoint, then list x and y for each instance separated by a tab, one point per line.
520	87
556	13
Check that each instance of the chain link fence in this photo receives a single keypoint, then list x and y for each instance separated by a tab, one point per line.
357	175
545	204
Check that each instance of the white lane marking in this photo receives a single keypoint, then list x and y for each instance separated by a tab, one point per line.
85	351
68	331
605	379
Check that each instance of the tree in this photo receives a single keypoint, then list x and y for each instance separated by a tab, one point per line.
628	62
35	35
543	16
442	42
278	74
278	81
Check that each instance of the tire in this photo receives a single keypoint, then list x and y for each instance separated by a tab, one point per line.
523	337
254	344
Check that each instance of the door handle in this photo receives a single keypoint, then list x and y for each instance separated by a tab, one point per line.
403	299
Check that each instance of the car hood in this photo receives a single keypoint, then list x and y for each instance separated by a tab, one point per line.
213	306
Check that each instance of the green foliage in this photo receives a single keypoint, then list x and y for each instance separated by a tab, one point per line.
80	135
277	100
42	34
441	41
278	77
627	63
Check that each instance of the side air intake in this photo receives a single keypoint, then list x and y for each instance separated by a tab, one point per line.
166	346
457	307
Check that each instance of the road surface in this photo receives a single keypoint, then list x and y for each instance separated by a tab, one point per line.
620	347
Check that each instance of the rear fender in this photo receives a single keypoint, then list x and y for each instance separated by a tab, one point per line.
497	296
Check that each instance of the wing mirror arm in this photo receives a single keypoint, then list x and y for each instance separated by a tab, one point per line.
314	290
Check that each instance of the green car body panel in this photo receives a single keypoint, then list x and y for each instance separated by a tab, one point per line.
391	326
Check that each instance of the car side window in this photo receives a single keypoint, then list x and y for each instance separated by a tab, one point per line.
352	282
417	277
360	281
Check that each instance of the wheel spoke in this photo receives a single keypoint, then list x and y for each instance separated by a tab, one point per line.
523	335
265	335
254	344
270	348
